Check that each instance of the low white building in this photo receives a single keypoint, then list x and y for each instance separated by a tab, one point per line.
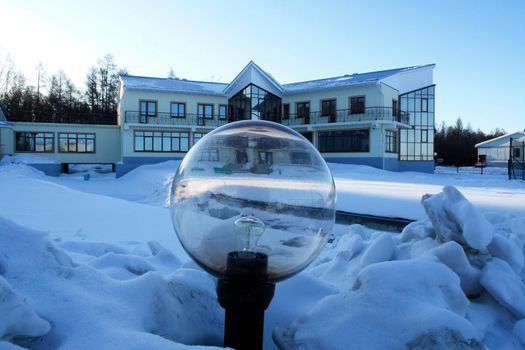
499	150
383	119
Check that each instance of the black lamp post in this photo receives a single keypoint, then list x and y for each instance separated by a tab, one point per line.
251	222
245	295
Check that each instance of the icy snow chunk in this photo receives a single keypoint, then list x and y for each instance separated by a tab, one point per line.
17	318
381	249
519	331
453	255
507	250
393	304
505	286
455	218
416	230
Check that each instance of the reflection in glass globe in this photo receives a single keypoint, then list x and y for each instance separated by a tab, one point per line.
253	187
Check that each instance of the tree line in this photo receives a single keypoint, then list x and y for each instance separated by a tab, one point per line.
54	97
454	144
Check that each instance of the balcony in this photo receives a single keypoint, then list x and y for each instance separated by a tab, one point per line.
163	118
339	116
347	116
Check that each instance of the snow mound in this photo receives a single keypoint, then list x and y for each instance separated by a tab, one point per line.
392	305
453	281
116	301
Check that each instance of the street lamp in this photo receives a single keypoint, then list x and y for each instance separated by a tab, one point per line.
252	203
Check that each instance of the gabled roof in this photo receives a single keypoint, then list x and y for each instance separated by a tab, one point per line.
170	85
518	134
254	74
346	80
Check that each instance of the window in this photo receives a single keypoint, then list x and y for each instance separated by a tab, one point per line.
357	105
76	143
328	109
161	141
516	153
303	109
222	111
209	155
197	136
147	109
424	105
394	108
34	141
286	111
391	141
178	110
344	141
205	110
265	158
424	134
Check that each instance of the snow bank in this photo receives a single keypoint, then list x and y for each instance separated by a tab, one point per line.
48	300
453	281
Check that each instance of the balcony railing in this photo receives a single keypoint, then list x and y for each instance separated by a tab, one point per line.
64	118
347	115
163	118
338	116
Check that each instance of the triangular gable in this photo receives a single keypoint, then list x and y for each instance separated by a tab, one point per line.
253	74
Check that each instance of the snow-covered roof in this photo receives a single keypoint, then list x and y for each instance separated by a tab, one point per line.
517	134
253	73
172	85
347	79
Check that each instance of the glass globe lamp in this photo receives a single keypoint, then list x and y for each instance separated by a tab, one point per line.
252	202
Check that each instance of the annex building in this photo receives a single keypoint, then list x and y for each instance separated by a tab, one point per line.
383	119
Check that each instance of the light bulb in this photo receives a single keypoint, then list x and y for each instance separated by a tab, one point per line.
248	230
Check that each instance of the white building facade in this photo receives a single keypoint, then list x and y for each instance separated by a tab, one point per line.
383	119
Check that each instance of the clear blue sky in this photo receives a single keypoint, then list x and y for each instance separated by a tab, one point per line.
478	46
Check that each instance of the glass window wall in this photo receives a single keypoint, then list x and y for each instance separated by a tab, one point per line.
418	143
255	103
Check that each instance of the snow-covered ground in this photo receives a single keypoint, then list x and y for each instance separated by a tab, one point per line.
96	265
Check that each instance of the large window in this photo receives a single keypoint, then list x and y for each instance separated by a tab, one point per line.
391	141
252	102
417	143
356	105
161	141
328	109
76	142
147	109
34	141
178	110
344	141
